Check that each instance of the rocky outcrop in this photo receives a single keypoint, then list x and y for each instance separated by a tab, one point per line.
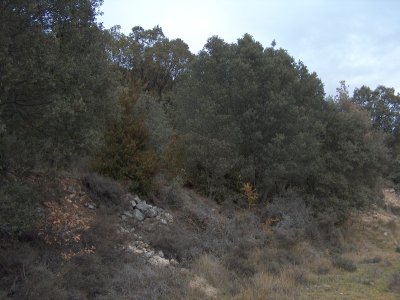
141	210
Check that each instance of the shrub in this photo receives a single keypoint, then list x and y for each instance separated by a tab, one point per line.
103	189
344	263
394	284
125	155
240	261
293	217
373	260
18	207
250	193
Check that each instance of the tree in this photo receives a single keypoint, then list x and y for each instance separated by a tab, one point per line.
252	115
57	87
150	58
383	106
354	159
233	108
125	154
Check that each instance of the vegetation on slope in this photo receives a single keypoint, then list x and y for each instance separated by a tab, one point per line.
247	126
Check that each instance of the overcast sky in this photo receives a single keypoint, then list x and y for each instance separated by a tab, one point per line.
354	40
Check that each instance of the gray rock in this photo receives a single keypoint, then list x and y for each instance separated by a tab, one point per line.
137	199
160	253
133	203
128	214
151	212
142	206
168	217
123	217
159	261
148	253
138	215
90	205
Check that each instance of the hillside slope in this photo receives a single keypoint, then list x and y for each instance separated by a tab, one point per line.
98	242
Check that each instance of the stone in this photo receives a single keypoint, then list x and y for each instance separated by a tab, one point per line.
150	213
123	217
138	215
159	261
160	253
128	214
137	199
148	253
90	205
133	203
142	206
123	230
135	249
169	217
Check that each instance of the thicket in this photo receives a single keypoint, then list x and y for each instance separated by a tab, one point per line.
383	107
252	115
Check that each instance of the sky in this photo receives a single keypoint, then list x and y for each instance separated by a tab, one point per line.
355	40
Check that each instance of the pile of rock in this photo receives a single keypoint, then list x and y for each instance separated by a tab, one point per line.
140	210
156	258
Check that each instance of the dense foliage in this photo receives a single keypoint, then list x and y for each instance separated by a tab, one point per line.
249	114
57	87
383	107
236	118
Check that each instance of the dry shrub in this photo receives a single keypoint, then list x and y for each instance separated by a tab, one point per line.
213	271
294	218
138	280
192	234
283	286
344	263
104	190
372	260
88	274
45	284
250	193
240	261
394	284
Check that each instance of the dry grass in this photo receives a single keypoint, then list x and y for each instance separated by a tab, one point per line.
267	286
229	256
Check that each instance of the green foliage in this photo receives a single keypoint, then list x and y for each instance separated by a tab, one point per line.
248	114
233	109
354	159
57	83
149	57
383	107
125	154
